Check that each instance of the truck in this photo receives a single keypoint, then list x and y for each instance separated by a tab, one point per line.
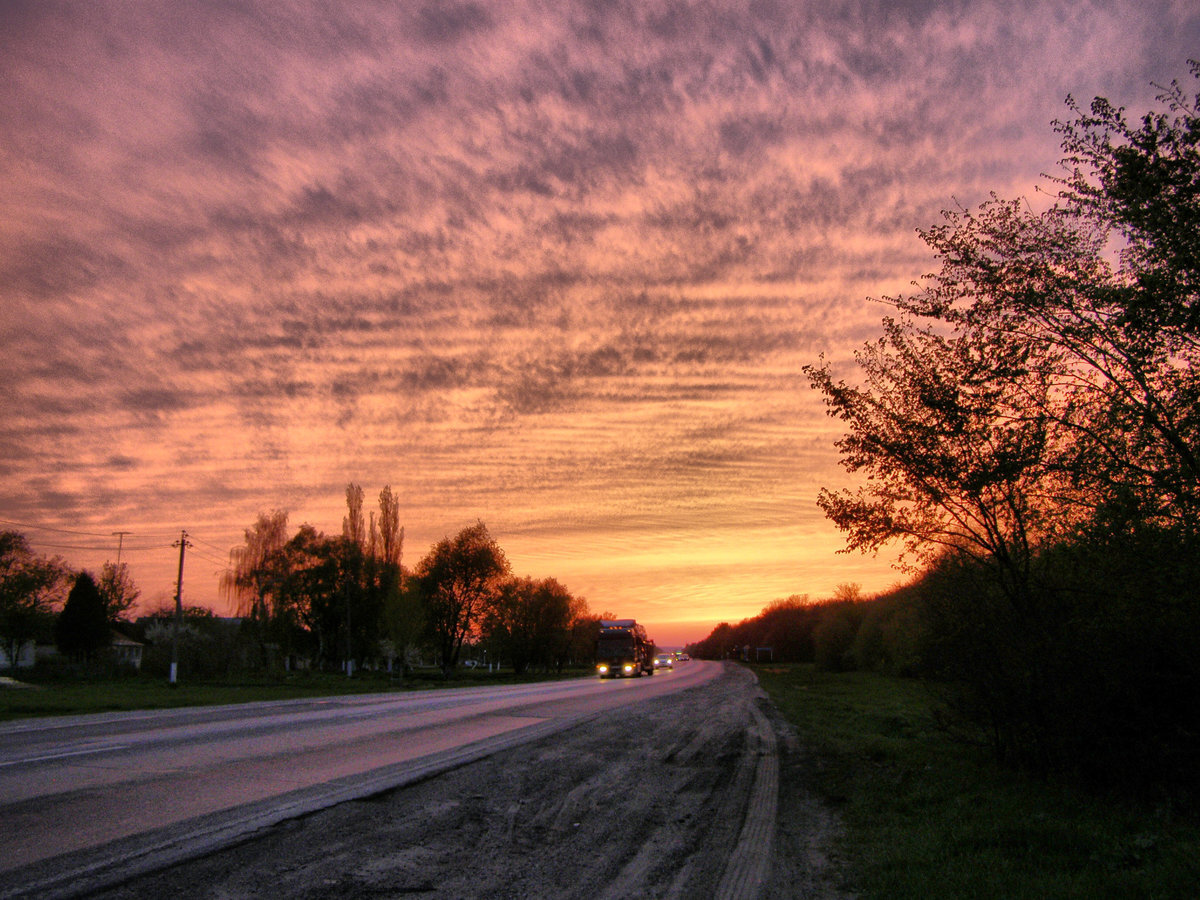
623	650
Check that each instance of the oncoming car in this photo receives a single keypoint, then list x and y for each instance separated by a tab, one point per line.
664	661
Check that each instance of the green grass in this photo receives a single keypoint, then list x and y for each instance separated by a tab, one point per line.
926	817
61	696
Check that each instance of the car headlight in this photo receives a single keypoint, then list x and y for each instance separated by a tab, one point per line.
603	669
629	668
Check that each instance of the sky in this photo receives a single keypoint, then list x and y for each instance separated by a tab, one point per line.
555	266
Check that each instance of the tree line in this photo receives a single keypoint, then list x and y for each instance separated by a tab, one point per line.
1027	429
316	601
348	600
32	587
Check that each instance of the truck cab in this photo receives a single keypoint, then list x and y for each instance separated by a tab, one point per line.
623	650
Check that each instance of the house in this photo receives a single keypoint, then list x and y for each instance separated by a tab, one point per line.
126	651
25	656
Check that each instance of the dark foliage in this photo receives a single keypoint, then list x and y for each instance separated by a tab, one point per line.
30	585
1029	427
837	635
460	578
82	629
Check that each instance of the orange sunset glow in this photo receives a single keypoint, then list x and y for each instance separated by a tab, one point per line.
552	266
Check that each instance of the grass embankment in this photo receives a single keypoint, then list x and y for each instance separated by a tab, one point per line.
926	817
59	697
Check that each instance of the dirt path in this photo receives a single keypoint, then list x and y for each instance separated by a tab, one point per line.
698	794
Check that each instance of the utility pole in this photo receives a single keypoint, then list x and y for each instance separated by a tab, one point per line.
182	544
349	635
120	536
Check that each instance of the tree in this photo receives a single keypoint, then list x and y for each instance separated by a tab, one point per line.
354	527
391	533
530	622
1123	390
30	586
1034	409
207	646
117	590
254	576
1144	181
309	610
364	572
459	578
1125	340
585	632
954	453
848	592
400	606
82	628
403	619
554	611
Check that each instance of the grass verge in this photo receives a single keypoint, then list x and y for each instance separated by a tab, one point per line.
60	697
926	817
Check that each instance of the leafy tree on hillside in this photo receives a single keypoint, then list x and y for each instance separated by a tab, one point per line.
953	452
1033	408
1123	340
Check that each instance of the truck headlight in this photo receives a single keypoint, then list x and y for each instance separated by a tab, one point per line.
628	669
603	669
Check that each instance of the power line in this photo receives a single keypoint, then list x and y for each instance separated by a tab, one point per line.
99	534
100	547
56	530
223	563
209	544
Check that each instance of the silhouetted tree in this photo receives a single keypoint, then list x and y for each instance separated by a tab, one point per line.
117	590
1034	409
208	646
459	578
954	453
30	585
254	576
529	621
403	618
82	628
309	611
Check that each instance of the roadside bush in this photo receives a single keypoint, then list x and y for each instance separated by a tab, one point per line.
787	626
1095	678
889	637
835	634
208	647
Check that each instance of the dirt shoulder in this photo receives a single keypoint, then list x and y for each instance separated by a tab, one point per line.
653	801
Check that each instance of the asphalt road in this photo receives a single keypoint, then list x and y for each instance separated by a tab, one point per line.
91	800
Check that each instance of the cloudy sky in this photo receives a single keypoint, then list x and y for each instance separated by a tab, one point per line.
552	265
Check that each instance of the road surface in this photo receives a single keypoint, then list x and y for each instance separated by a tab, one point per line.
418	789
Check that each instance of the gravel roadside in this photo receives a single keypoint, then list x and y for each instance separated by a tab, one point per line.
670	798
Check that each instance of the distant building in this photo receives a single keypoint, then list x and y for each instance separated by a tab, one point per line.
25	656
126	651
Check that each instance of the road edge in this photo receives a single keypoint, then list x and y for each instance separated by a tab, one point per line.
83	873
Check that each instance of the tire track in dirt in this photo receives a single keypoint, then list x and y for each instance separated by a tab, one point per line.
673	797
